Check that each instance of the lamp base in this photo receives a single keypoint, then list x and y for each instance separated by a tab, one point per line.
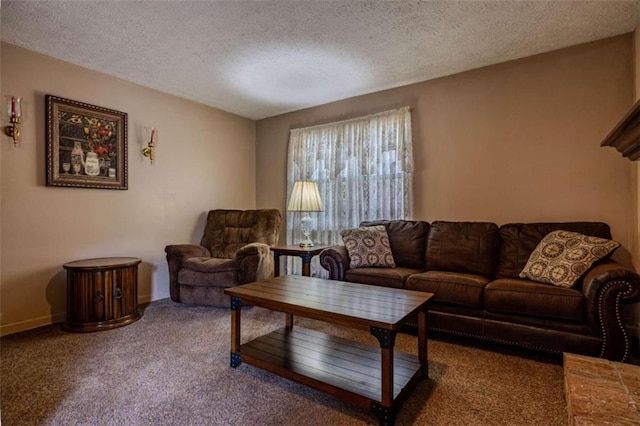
306	244
306	222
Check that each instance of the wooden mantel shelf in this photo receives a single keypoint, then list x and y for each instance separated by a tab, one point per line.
625	137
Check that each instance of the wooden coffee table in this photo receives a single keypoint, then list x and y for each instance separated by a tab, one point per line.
367	376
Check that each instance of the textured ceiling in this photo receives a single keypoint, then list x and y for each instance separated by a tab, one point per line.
263	58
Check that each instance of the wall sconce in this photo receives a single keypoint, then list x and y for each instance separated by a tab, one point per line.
151	136
14	109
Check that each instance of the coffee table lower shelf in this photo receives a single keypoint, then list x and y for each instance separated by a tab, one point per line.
341	367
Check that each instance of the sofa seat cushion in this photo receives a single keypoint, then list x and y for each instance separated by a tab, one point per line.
209	264
524	297
450	287
208	272
387	277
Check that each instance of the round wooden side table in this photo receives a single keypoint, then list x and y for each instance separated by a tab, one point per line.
101	293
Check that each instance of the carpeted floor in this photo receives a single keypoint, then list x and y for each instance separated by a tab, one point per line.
172	368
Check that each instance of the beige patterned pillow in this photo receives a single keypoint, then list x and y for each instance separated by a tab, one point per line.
562	257
368	246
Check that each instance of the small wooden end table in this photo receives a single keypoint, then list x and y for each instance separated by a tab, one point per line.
306	254
101	293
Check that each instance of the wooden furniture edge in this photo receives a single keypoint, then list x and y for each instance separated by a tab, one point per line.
625	136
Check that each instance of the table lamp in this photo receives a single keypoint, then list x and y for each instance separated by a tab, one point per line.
305	197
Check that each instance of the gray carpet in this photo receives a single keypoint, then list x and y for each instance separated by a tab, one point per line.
172	368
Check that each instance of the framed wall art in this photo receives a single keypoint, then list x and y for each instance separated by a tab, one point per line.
86	145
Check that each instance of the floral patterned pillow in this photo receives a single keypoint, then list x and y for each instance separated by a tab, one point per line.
368	246
562	257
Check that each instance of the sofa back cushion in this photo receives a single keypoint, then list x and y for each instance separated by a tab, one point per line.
227	231
408	239
467	247
519	240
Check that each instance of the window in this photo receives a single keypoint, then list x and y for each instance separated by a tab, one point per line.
363	168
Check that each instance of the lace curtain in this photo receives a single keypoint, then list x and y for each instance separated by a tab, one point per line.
363	168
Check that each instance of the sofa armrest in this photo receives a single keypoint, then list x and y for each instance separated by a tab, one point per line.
176	255
254	262
335	259
606	287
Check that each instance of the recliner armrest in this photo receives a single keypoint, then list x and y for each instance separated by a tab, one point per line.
253	249
185	251
335	259
176	255
254	262
606	287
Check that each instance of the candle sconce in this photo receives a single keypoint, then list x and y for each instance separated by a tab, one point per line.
14	110
150	137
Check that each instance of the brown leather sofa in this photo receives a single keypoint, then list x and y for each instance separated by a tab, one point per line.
472	269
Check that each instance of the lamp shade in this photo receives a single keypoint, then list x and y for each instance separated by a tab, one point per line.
305	197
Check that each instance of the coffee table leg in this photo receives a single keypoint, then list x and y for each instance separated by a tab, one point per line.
422	343
386	416
236	356
384	410
289	321
306	264
276	265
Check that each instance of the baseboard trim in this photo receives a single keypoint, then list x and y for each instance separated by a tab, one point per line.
145	299
29	324
16	327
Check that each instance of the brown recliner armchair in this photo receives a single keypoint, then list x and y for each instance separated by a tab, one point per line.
234	250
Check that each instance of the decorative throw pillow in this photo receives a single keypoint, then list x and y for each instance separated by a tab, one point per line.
562	257
368	246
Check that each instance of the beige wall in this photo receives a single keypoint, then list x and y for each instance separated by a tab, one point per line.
205	159
518	141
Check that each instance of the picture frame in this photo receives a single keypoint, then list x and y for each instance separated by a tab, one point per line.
86	145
